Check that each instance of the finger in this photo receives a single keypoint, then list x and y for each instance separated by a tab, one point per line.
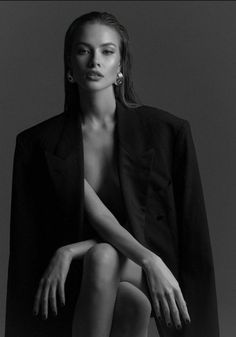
157	309
182	306
155	300
174	309
44	301
166	311
62	293
37	298
53	298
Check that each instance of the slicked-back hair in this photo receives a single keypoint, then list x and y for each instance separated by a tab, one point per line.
124	93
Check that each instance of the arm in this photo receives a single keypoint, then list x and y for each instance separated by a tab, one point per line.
162	284
78	249
109	228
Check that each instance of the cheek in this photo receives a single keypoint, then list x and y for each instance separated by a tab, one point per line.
113	67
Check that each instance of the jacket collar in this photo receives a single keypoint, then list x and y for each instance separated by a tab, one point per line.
132	134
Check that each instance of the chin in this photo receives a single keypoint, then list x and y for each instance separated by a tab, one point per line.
95	86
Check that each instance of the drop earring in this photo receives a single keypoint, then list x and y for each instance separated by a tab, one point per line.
70	78
119	79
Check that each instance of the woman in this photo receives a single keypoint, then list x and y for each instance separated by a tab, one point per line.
107	196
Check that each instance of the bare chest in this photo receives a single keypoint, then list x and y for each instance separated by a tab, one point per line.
100	159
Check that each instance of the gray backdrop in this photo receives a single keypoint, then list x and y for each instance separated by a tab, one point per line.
184	61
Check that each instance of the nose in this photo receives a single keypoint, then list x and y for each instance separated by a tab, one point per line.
94	60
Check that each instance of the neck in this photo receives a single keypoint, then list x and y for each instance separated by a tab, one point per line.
98	108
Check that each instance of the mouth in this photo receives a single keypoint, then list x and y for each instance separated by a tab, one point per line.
94	74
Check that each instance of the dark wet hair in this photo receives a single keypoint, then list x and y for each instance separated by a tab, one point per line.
124	93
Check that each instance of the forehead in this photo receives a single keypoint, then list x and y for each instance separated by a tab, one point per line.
96	34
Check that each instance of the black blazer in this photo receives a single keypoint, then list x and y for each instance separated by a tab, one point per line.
164	201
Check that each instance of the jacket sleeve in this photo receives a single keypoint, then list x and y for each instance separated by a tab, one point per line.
35	233
21	219
21	202
197	276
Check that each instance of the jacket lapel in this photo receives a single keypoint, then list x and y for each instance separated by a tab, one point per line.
65	165
135	157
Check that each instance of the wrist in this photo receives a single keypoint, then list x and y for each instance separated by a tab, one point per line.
148	260
65	252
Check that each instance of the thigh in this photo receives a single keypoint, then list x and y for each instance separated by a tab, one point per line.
131	272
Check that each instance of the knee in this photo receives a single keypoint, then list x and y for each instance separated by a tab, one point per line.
132	307
103	255
102	260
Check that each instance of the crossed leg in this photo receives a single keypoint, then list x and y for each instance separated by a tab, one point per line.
113	298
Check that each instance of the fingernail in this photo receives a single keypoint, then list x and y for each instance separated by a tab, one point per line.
178	326
187	321
44	317
159	317
169	324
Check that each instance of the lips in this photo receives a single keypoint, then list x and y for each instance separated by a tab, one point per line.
94	73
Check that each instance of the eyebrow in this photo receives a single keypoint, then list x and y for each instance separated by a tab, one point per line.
103	44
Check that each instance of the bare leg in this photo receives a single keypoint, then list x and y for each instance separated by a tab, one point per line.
95	305
132	312
104	268
134	290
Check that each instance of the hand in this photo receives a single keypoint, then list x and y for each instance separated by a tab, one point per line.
53	281
165	292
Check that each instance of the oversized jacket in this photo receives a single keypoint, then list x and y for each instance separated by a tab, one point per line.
164	202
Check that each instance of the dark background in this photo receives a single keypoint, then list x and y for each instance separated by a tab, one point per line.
184	57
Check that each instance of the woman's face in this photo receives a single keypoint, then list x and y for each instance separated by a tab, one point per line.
95	47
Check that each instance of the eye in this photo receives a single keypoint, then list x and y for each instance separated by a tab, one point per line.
82	51
108	51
